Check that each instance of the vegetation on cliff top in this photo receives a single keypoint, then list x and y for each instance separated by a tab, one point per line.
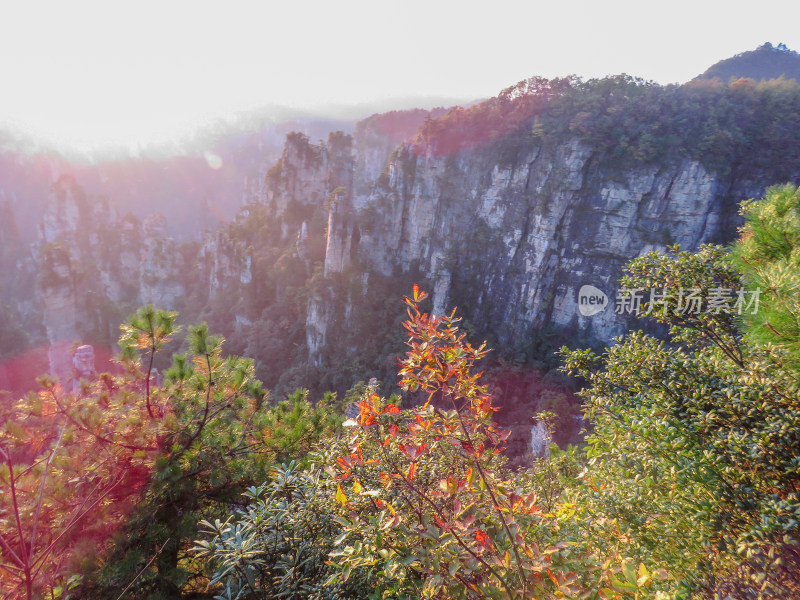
765	62
631	122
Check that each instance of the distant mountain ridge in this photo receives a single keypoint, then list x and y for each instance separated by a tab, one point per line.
763	63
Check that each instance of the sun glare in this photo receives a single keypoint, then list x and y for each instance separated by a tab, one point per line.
91	74
72	125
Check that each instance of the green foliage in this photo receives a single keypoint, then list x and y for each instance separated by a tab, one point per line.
209	435
279	545
684	288
768	255
630	122
295	426
693	459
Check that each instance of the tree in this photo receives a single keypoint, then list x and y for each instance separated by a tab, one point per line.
431	509
279	545
216	436
768	256
120	473
72	469
693	458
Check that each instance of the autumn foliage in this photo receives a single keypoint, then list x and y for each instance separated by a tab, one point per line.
73	467
430	508
101	489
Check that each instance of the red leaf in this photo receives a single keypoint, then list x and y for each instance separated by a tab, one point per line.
468	447
483	539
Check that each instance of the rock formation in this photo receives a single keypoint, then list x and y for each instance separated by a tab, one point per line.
514	242
83	366
540	440
486	212
94	269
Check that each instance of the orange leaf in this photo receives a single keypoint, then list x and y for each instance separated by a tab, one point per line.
365	414
483	539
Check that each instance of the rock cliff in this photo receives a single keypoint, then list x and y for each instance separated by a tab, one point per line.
94	269
505	210
515	241
510	226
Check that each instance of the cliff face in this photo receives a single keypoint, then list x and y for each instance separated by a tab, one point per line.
94	269
306	174
495	214
512	240
90	268
515	241
17	279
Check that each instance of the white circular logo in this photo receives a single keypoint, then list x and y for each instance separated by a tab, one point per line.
591	300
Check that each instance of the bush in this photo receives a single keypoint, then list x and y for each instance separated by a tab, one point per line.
693	459
279	545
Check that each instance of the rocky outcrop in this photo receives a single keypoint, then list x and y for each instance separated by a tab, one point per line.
508	225
317	323
520	239
375	138
343	236
514	241
306	175
540	440
159	268
94	269
223	261
61	321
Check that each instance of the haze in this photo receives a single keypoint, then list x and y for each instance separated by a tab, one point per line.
88	75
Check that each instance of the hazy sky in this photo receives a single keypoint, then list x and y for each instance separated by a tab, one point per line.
106	72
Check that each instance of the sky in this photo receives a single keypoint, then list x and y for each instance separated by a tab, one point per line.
91	74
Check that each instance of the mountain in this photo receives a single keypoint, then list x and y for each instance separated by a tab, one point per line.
764	63
506	209
82	245
509	208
